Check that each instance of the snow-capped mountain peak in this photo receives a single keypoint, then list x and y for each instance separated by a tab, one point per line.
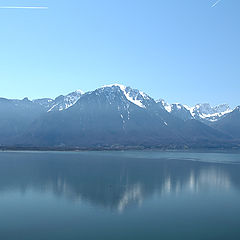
171	107
177	106
64	102
79	91
135	96
165	105
237	108
206	111
122	87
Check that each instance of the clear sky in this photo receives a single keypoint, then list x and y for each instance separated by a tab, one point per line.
181	50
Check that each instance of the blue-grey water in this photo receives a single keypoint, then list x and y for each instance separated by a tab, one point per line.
119	195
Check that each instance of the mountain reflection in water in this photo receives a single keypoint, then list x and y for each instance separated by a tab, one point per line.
115	180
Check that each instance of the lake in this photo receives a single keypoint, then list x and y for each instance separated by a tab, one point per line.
119	195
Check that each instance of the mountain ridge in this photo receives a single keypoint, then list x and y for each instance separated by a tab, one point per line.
212	111
114	116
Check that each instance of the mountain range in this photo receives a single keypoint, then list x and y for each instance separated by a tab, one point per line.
115	117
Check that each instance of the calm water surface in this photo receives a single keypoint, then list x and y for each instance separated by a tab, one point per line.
119	195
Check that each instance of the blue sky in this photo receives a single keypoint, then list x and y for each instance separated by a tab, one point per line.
183	51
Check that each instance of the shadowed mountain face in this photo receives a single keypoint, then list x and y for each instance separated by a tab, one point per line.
230	123
111	116
15	118
181	112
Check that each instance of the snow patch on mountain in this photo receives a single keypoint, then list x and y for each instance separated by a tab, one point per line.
45	102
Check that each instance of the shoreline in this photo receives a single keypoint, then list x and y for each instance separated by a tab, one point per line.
114	149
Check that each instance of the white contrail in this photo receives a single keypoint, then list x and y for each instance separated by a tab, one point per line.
15	7
217	2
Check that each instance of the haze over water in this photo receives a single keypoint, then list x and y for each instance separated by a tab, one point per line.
119	195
